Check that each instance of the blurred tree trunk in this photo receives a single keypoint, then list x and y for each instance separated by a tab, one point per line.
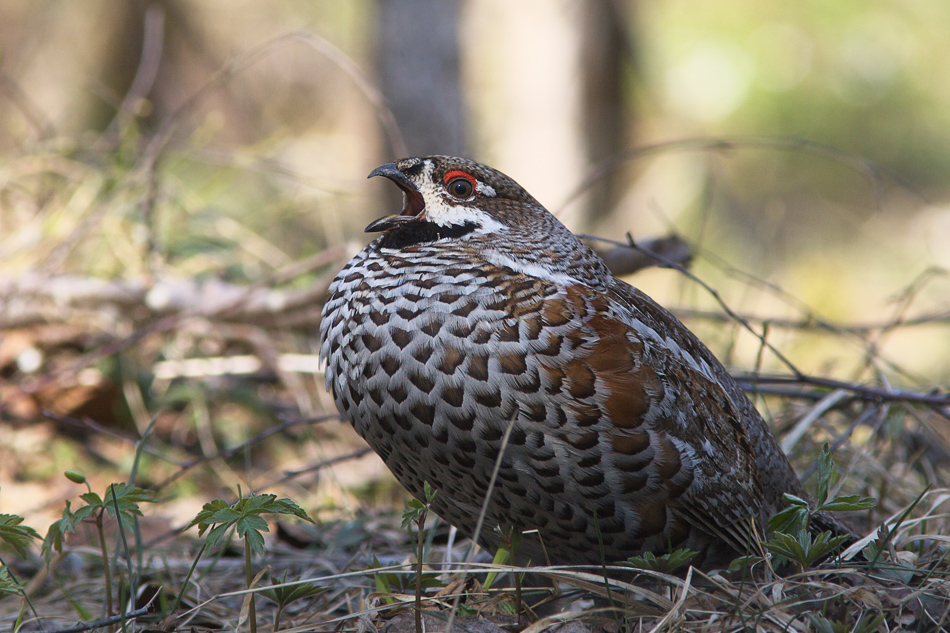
418	66
607	55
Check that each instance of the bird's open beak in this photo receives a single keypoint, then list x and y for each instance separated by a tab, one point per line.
413	204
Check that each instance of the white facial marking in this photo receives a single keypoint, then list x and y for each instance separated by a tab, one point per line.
485	190
439	211
456	216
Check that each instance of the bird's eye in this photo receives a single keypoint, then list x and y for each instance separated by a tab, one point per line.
460	187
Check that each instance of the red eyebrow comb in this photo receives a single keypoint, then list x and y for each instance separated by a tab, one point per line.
455	174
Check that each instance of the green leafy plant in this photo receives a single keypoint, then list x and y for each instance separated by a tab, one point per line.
120	501
217	518
663	564
416	513
19	537
8	585
804	548
743	562
865	624
510	544
789	528
16	535
283	594
384	581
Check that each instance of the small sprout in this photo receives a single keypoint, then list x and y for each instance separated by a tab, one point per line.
502	556
283	593
385	581
121	501
416	512
416	509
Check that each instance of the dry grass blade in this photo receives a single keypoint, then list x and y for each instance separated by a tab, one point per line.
800	428
671	620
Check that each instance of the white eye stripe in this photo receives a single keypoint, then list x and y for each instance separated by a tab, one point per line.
485	190
446	215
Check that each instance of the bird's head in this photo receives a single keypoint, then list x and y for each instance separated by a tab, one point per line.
450	196
456	201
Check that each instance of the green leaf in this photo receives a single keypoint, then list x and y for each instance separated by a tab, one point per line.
270	504
849	503
58	530
786	546
283	594
254	503
826	467
82	514
789	527
823	624
126	498
413	512
245	516
384	581
502	556
507	608
663	564
744	561
806	549
15	535
416	509
255	540
823	545
251	523
203	518
91	499
430	492
286	506
793	500
8	586
53	541
789	520
225	515
216	534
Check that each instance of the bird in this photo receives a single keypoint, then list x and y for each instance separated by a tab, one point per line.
480	347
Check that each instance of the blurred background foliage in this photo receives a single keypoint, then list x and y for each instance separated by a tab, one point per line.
802	149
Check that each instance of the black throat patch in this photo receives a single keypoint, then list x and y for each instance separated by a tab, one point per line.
422	232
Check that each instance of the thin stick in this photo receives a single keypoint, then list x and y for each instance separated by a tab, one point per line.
98	624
